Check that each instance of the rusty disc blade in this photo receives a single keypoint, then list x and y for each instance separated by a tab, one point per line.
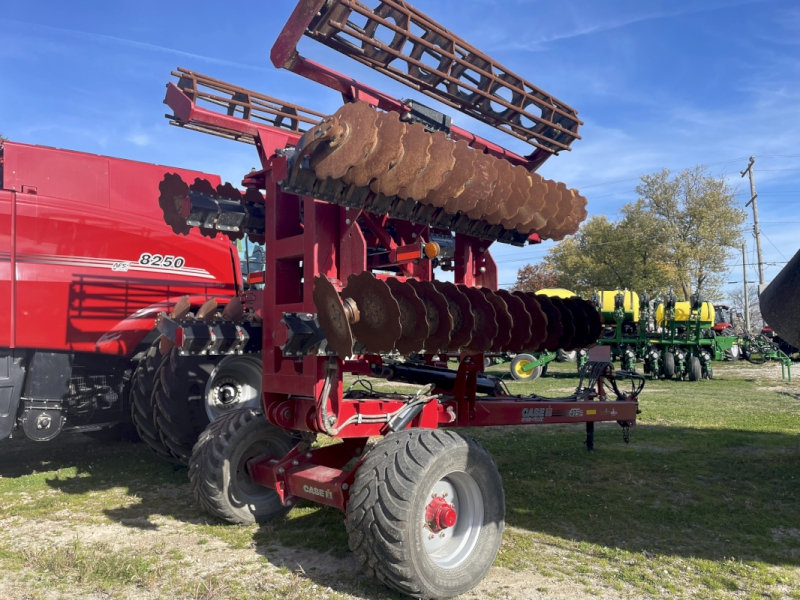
178	313
234	310
174	191
485	329
207	311
332	317
522	322
441	161
378	326
415	145
570	334
538	318
521	188
555	325
447	194
387	151
413	321
497	207
505	323
437	314
475	197
461	312
595	322
334	160
531	219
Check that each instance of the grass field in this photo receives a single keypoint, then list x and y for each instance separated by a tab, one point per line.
703	503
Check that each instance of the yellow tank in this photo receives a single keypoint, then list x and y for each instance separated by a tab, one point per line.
683	310
631	305
556	293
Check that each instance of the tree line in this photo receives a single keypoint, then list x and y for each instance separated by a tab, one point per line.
679	233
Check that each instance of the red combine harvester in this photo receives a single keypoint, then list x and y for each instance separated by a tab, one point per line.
356	210
87	264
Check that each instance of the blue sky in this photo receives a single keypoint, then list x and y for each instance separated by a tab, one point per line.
658	83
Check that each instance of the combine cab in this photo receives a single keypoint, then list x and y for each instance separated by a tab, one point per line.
355	209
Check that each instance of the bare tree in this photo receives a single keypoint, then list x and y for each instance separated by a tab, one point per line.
736	299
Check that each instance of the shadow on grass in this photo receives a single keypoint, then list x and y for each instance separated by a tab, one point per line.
701	493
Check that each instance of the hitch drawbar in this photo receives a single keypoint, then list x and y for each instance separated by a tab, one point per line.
197	337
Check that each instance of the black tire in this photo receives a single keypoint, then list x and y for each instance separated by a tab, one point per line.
217	470
179	402
516	368
142	384
388	502
695	369
669	365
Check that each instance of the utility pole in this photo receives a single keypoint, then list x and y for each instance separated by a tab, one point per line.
746	294
756	228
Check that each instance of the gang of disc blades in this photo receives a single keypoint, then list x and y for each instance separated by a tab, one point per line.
387	151
485	329
461	312
555	327
332	317
522	322
447	194
329	160
415	145
505	323
437	314
413	319
378	326
478	190
595	321
570	334
440	162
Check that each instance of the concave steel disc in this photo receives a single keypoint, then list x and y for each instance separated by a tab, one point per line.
440	162
387	152
595	322
437	314
497	206
569	334
478	190
555	327
332	317
334	160
415	155
538	318
504	321
521	322
449	193
461	312
174	191
485	328
521	188
178	313
378	326
413	321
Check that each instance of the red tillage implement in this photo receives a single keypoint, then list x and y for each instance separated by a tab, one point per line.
357	210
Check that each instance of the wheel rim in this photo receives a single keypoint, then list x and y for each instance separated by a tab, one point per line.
519	368
234	383
245	491
448	547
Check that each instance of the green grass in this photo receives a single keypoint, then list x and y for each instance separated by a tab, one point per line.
702	503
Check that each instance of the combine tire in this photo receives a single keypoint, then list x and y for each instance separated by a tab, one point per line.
669	365
426	513
518	371
142	383
218	467
179	402
695	369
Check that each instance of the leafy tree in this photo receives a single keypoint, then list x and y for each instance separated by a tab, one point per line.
2	139
678	233
532	278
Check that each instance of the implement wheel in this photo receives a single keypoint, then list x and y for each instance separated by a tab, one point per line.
426	513
669	365
218	467
179	402
142	383
695	369
518	370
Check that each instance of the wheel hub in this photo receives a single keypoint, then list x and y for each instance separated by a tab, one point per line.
440	515
227	392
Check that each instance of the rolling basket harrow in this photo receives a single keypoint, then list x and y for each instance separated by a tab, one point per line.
356	209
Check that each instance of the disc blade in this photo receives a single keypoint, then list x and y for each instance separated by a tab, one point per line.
485	329
332	317
378	326
461	313
521	322
413	321
437	315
